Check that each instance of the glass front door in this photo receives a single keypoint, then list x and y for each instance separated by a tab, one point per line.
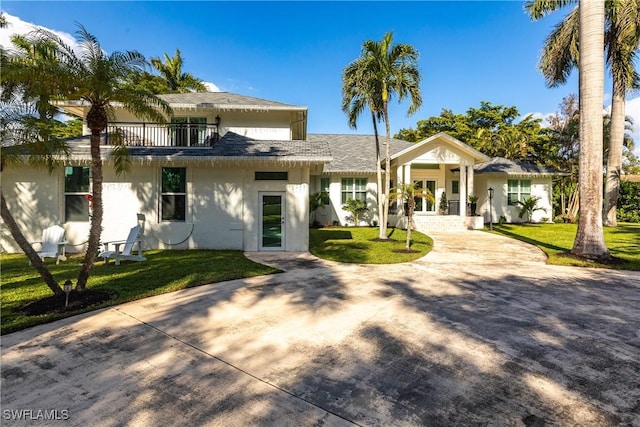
272	221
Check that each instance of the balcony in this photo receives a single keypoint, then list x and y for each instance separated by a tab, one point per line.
162	135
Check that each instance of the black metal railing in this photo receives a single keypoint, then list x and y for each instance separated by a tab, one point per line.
162	134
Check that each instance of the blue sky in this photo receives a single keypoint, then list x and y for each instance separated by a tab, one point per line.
294	52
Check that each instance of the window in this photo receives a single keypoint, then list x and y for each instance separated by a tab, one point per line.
517	190
174	194
354	188
455	187
324	190
76	190
272	176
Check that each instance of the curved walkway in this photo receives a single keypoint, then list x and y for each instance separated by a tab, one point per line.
479	331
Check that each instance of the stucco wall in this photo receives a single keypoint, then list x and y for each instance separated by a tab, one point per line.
540	186
334	212
222	207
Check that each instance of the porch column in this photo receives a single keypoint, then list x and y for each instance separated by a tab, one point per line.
470	186
463	190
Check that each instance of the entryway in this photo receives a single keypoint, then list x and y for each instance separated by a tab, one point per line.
272	221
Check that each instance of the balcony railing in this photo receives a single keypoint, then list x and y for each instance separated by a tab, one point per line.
163	135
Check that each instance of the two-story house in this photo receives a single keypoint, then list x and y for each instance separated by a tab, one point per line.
234	172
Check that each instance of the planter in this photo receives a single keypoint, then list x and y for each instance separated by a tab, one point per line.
474	222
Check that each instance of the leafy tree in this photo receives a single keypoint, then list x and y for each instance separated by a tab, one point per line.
145	81
391	70
492	129
528	206
97	78
176	81
629	201
561	54
69	129
356	208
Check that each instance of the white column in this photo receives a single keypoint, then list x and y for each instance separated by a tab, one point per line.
470	186
463	190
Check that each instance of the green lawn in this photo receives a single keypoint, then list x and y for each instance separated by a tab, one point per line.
557	239
359	245
164	271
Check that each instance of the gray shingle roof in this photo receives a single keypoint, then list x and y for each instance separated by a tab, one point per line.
509	167
231	147
223	100
354	153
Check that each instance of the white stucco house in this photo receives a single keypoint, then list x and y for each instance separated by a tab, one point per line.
234	172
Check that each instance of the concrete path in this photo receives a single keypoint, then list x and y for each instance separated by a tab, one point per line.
480	331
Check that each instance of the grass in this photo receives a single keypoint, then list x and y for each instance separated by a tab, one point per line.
556	240
164	271
359	245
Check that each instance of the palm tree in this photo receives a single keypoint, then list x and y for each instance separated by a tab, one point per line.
561	53
391	70
26	124
528	206
589	242
96	78
177	81
621	37
397	70
409	193
360	91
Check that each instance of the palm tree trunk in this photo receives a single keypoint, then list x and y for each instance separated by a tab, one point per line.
382	227
17	235
410	203
614	161
589	242
387	161
96	217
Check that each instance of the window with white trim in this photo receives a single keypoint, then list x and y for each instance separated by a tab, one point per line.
174	194
76	193
354	188
518	190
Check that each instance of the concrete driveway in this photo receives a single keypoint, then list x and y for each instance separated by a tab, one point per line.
479	332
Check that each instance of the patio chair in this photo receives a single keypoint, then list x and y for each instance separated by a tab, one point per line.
52	244
123	249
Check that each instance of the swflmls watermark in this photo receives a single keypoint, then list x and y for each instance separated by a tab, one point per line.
35	414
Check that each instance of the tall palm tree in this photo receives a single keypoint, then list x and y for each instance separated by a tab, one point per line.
96	78
560	55
360	91
392	70
177	81
621	37
589	242
26	123
399	76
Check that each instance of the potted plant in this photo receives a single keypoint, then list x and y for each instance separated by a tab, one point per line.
444	205
473	204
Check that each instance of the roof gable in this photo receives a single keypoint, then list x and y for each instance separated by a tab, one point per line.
441	147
